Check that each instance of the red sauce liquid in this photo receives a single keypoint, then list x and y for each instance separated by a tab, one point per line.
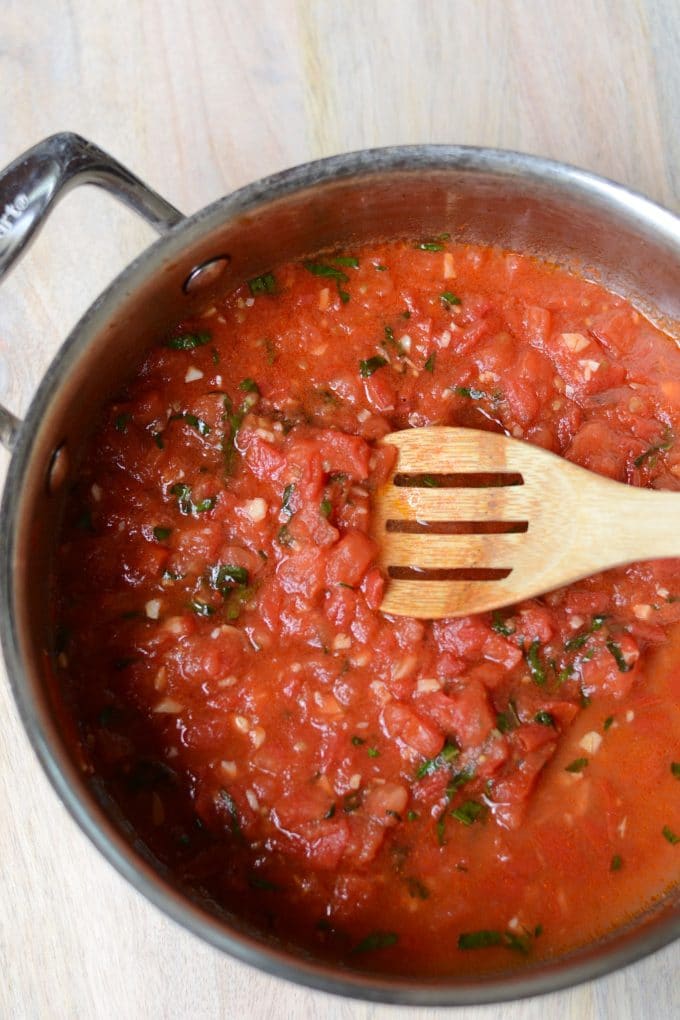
425	798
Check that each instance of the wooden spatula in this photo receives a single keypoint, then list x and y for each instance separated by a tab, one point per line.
471	521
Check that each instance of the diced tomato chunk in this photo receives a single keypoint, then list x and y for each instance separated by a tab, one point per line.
491	674
536	621
465	636
380	391
402	723
465	713
386	803
301	815
599	448
343	453
613	669
382	463
373	587
304	472
340	606
532	736
264	459
349	560
511	792
366	836
303	572
499	649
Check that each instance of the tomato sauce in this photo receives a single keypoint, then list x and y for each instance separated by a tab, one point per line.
426	798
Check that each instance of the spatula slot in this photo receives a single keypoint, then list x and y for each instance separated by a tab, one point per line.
460	480
449	573
418	527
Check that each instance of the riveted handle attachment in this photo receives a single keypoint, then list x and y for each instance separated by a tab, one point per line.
33	183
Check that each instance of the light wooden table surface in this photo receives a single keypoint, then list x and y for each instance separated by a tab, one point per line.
200	97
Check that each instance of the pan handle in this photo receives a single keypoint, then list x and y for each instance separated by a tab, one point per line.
33	183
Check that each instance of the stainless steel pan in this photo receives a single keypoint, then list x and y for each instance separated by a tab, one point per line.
517	201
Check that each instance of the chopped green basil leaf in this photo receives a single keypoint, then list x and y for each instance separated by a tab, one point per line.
534	663
198	424
351	801
188	341
506	723
376	940
459	779
544	718
448	753
358	741
169	575
468	812
580	639
500	625
432	243
572	643
228	801
616	863
675	769
429	364
650	454
416	889
319	269
670	835
183	493
577	765
284	536
204	505
249	386
224	575
449	299
486	938
264	284
345	260
325	507
471	392
479	939
255	882
615	650
162	534
121	422
185	503
607	723
285	499
373	752
371	365
201	608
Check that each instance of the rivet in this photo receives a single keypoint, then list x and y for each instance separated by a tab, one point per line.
205	274
58	469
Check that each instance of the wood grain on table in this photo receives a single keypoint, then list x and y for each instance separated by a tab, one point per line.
199	98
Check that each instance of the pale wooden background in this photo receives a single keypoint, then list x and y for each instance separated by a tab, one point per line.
200	97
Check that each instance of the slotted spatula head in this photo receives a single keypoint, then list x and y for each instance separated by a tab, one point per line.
471	521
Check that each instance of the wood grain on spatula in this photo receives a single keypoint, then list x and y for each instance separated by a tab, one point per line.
471	521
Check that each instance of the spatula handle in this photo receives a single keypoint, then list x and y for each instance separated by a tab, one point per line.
643	525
